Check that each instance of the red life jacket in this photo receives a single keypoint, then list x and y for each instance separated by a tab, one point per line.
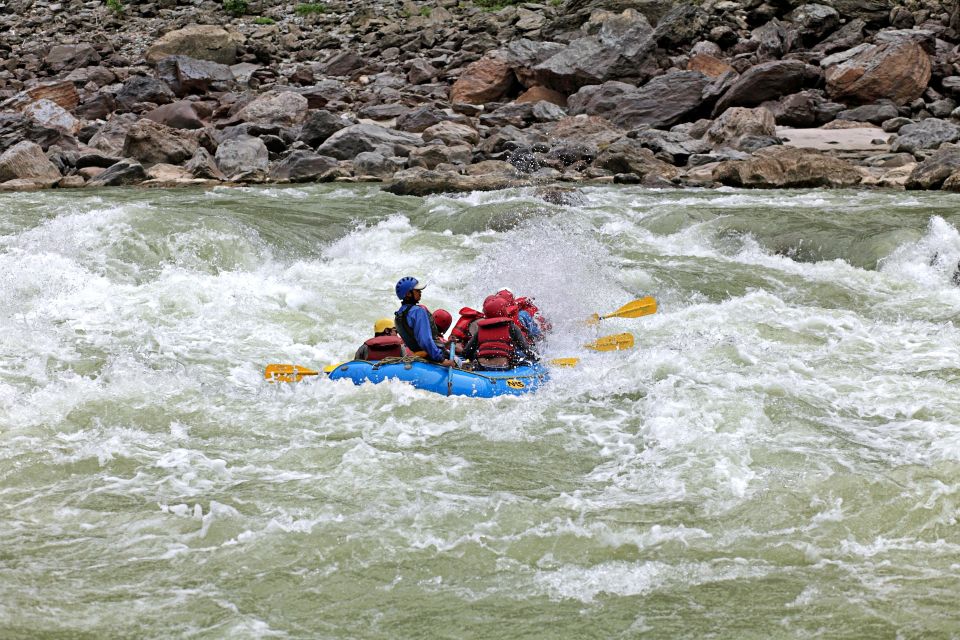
384	347
493	338
461	331
513	311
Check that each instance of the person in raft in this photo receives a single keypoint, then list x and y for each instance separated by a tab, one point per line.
499	343
520	316
385	343
442	321
415	323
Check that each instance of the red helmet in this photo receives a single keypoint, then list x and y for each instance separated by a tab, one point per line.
443	319
506	294
495	307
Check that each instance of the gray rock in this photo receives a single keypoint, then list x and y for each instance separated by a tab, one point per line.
662	102
872	113
346	143
150	143
66	57
942	108
768	81
931	173
432	155
670	146
202	165
144	89
416	120
320	125
25	160
371	163
926	134
814	21
185	75
275	107
125	172
242	155
303	166
895	124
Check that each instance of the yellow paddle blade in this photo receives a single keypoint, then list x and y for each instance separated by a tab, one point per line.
615	342
634	309
287	372
564	362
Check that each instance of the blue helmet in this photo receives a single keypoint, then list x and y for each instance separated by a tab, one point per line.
406	285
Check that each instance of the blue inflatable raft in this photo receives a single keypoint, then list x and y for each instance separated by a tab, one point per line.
444	380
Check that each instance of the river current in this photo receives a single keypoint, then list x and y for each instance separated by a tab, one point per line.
778	456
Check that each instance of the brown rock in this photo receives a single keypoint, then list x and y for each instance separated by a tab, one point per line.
63	93
423	182
952	183
535	94
152	143
898	71
708	65
24	184
275	107
71	182
488	79
737	122
627	155
203	42
177	115
785	167
25	160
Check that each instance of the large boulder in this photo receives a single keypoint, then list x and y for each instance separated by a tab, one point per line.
662	102
124	172
451	133
419	181
203	42
768	81
185	75
242	154
486	80
926	134
50	115
622	47
786	167
150	143
898	71
932	172
347	143
738	123
431	155
25	160
302	166
275	107
814	21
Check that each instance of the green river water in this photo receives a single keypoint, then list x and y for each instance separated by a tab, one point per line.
778	457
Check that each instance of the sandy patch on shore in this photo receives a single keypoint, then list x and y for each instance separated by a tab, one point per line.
858	139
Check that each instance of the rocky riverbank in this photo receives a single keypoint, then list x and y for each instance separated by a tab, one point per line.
450	96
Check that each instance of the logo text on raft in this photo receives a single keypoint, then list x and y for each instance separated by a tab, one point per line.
513	383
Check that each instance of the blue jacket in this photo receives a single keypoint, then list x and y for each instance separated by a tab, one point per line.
529	325
419	321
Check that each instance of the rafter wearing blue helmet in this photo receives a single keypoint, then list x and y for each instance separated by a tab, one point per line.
415	322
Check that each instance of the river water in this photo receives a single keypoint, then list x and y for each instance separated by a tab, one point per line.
779	456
